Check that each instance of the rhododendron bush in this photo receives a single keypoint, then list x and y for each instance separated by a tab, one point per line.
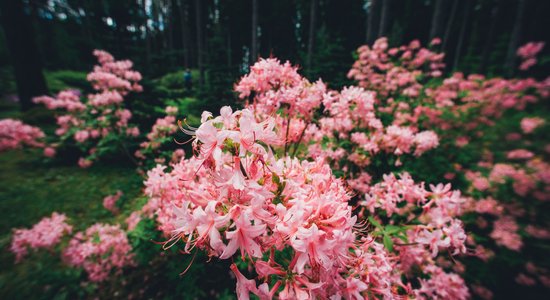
411	184
100	124
15	134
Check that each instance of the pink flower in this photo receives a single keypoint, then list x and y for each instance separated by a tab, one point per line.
434	239
110	201
243	238
133	220
81	136
99	250
435	41
49	152
520	154
530	49
132	131
462	141
505	233
15	134
539	233
425	141
482	292
84	163
171	110
528	125
244	285
525	280
45	234
528	63
442	285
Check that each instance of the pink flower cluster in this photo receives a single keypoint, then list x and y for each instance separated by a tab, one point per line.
505	233
161	133
110	201
440	229
15	134
274	85
351	113
112	75
237	197
100	250
528	125
102	115
68	100
528	54
443	105
392	71
43	235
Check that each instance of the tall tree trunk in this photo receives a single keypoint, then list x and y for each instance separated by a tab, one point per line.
384	18
490	37
462	34
168	24
449	28
229	52
254	45
159	18
312	31
437	19
147	35
184	32
23	50
88	31
200	38
515	38
372	20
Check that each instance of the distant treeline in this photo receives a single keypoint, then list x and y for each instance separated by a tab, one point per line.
226	36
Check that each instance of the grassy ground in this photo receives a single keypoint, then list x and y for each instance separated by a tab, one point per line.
31	189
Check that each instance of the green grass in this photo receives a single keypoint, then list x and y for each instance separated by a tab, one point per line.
31	189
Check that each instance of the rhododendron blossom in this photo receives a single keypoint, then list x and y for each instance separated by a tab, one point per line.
100	250
528	125
110	201
102	118
236	198
16	134
45	234
528	53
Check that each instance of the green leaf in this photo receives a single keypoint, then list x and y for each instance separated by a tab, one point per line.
374	222
388	243
392	229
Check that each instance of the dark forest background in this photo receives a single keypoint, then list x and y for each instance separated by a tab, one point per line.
219	39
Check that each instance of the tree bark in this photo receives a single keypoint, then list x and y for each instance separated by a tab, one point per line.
200	38
372	20
168	19
462	34
147	35
312	31
184	32
437	19
384	18
24	54
254	46
490	37
515	38
449	28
